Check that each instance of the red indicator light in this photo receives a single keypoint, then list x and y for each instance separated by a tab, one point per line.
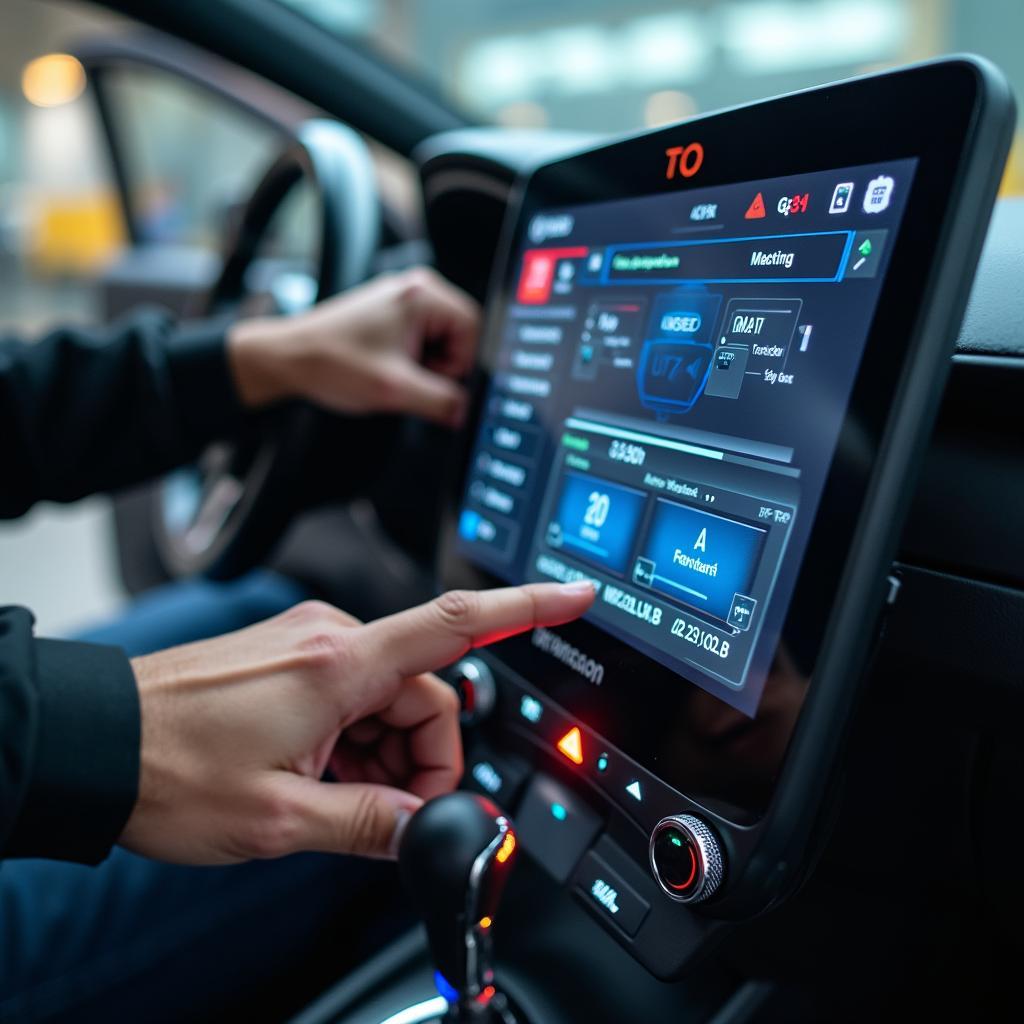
486	995
756	209
508	845
693	874
571	745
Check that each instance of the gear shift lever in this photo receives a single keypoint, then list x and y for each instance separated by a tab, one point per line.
454	859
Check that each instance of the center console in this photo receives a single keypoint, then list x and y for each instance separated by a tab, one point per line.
712	356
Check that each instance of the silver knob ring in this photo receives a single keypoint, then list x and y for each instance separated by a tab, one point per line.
710	865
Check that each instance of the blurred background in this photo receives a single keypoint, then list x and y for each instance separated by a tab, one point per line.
593	65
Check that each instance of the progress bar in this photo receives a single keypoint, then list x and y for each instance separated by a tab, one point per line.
632	435
679	586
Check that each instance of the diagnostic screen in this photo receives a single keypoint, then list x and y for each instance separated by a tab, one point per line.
672	375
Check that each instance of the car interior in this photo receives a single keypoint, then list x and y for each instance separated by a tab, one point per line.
755	373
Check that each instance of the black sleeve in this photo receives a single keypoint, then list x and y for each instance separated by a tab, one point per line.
94	410
69	744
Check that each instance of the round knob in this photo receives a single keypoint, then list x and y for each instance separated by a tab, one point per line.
686	858
476	688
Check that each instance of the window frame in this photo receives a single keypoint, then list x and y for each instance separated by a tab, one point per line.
153	53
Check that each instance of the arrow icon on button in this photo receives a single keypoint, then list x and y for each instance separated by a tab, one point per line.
633	789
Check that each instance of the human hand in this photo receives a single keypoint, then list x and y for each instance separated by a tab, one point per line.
399	343
237	731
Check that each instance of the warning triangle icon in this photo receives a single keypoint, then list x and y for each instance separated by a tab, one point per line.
756	208
571	744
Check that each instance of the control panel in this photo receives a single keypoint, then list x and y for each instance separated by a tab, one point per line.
632	850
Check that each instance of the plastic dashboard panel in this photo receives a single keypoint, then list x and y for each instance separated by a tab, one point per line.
659	943
995	312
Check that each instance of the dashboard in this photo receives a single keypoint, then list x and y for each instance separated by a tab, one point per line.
926	771
691	381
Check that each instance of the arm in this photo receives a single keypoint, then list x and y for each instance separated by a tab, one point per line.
69	744
93	410
236	732
84	411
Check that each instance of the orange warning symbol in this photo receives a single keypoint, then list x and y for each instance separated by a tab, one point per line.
756	208
571	744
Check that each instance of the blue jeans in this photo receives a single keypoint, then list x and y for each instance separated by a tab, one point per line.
136	940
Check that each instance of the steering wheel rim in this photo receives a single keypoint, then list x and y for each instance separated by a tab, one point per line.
211	518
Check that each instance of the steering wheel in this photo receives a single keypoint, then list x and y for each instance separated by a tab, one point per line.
221	515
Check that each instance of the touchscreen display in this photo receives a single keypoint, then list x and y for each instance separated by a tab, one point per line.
671	378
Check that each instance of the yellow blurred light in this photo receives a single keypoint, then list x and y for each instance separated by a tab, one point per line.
53	79
508	844
668	105
75	235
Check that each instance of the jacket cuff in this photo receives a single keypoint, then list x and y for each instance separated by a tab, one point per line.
197	361
85	771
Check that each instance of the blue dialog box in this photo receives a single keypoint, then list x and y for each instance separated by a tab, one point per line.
596	520
698	557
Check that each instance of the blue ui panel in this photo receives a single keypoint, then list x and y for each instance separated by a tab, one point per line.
596	521
676	357
699	558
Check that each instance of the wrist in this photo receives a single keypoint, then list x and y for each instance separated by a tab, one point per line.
257	356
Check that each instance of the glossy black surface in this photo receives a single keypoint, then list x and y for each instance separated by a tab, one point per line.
693	741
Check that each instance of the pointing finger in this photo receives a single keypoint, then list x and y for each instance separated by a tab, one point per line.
435	634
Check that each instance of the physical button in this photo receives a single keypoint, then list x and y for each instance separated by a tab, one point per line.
556	827
605	889
498	776
474	683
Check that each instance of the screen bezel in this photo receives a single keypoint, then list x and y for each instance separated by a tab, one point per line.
762	141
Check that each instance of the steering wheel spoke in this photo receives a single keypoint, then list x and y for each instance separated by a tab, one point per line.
221	516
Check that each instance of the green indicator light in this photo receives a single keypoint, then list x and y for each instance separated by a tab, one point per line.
865	248
676	841
558	812
577	462
580	444
602	763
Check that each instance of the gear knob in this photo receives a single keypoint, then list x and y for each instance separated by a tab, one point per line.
454	859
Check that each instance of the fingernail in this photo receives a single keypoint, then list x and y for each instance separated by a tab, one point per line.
402	817
578	587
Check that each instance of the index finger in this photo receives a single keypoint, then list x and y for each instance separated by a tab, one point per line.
435	634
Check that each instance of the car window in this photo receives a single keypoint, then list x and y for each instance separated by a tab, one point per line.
189	156
619	65
60	219
60	226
